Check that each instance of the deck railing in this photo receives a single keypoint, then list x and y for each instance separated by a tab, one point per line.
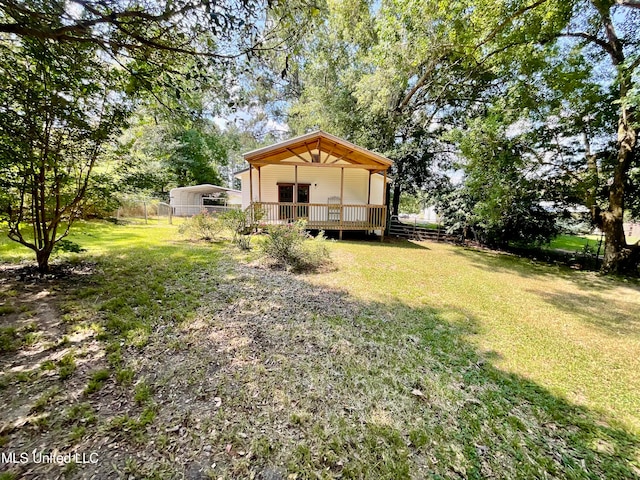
323	216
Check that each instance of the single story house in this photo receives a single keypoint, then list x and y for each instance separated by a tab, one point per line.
187	201
327	181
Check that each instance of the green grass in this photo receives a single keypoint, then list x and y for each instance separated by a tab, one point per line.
97	381
401	361
574	333
67	365
11	338
575	243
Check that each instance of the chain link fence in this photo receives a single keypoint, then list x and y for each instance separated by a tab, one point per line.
158	212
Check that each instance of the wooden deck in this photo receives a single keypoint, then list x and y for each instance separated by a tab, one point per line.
322	216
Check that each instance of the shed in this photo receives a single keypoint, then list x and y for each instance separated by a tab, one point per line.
187	201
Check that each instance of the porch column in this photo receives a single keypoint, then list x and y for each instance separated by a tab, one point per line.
384	202
295	193
259	186
250	184
368	209
384	189
341	200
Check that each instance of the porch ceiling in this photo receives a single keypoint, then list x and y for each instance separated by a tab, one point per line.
318	149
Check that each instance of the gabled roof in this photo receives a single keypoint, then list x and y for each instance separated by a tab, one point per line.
318	149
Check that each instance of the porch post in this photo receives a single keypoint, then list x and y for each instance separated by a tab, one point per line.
295	193
384	202
341	200
368	209
250	184
384	189
259	186
251	209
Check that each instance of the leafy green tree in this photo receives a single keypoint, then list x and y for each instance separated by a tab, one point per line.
521	42
70	71
368	75
505	205
164	148
59	106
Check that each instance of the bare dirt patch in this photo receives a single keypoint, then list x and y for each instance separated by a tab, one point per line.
220	384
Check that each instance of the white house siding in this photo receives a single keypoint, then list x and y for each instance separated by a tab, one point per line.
377	188
234	198
324	182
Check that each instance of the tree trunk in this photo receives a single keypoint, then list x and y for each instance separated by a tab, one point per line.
396	198
397	189
43	260
618	257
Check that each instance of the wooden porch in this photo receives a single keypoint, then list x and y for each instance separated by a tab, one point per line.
322	216
324	180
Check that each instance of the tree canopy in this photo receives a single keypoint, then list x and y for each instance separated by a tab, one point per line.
542	94
532	102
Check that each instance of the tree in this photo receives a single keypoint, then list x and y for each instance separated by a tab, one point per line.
168	147
71	70
369	75
59	105
504	204
141	29
520	40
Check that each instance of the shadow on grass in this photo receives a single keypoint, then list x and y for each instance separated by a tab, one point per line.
502	415
367	390
611	317
389	242
497	261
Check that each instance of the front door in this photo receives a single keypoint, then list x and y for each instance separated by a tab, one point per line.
285	195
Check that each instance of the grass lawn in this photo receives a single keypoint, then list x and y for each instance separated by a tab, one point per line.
576	243
176	359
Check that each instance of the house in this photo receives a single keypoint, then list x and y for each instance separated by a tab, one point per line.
329	182
187	201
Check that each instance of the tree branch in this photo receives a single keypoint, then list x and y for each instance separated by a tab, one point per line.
508	20
33	24
629	3
591	38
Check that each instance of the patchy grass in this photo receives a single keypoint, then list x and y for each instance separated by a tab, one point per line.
401	361
66	366
97	381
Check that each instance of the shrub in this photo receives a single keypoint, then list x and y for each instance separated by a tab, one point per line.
291	246
65	245
239	222
202	226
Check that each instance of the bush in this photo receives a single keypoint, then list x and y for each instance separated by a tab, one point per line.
239	223
291	246
65	245
202	226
